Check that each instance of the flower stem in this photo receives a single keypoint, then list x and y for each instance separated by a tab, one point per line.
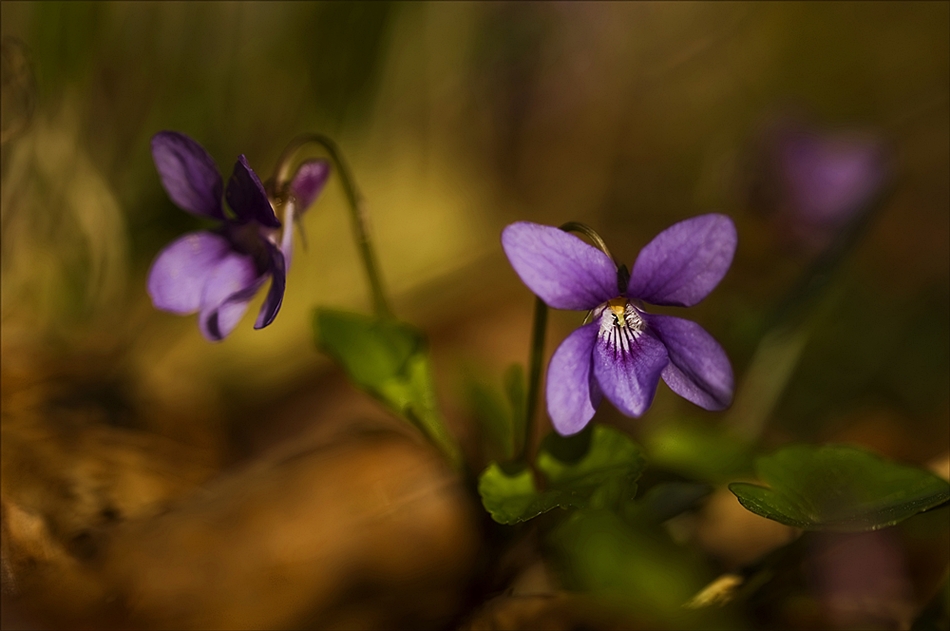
590	233
538	331
285	170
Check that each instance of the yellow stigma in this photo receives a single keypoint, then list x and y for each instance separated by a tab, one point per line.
618	306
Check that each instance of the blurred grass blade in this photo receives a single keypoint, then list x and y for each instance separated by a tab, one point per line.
517	394
667	500
500	415
494	418
789	327
699	451
765	379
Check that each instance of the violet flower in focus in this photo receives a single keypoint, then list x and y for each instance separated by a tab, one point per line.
216	273
622	352
817	183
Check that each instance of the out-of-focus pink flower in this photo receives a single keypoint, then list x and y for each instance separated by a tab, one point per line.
861	579
814	183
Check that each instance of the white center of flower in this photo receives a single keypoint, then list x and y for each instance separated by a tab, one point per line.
620	323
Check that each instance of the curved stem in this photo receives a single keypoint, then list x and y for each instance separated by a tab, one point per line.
539	328
284	172
590	233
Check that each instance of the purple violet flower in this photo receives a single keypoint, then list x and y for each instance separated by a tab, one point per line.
217	273
622	351
817	182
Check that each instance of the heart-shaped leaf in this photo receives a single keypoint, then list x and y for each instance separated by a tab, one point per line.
510	495
598	468
840	488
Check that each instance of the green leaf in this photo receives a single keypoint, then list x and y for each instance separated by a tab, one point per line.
510	495
699	451
634	567
598	467
501	417
840	488
389	359
494	418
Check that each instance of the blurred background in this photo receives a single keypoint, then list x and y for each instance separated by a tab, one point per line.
457	119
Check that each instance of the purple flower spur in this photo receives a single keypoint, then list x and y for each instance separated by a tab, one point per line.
622	351
216	273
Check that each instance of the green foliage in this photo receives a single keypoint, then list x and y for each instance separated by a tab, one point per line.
502	421
666	500
494	419
510	495
66	38
840	488
634	567
597	468
699	451
388	359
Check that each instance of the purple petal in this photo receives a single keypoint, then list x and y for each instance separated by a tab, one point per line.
227	293
829	178
180	272
287	238
247	197
310	179
217	323
628	377
188	173
699	370
559	268
275	296
571	400
682	264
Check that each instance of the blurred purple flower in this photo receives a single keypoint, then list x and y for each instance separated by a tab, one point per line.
305	187
816	183
861	579
623	351
310	179
217	273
